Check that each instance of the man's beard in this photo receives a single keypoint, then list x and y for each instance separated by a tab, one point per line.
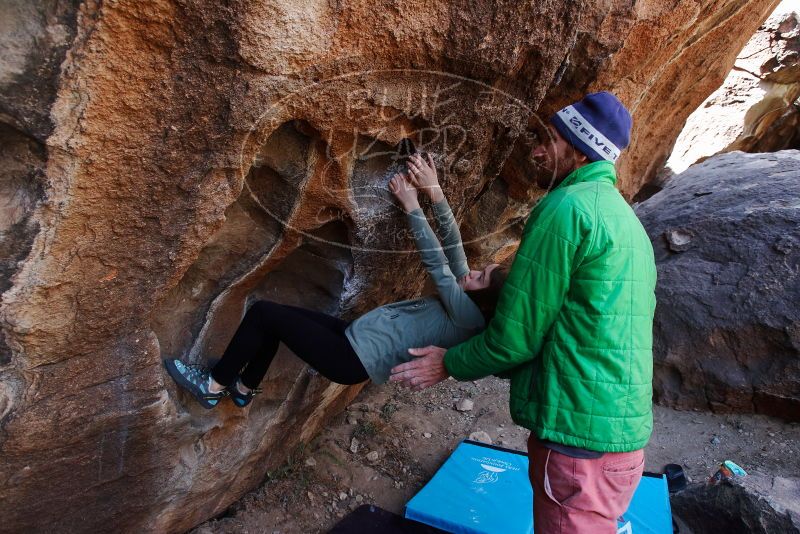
548	178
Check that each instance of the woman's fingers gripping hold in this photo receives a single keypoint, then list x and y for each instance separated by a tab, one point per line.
414	173
393	183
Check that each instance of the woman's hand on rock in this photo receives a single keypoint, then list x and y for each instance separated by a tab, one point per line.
404	191
422	173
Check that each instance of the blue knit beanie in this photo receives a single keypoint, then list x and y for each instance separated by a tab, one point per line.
599	126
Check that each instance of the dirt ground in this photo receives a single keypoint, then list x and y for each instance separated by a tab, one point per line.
390	441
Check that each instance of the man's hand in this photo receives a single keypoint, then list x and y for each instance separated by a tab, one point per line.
422	173
404	192
425	371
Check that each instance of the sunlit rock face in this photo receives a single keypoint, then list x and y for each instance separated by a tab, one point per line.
165	164
756	109
727	324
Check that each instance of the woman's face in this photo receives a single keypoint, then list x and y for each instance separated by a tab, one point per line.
478	279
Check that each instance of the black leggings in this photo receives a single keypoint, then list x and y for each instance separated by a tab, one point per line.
316	338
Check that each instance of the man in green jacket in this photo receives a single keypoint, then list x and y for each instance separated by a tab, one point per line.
572	329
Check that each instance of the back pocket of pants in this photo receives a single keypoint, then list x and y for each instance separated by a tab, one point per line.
620	479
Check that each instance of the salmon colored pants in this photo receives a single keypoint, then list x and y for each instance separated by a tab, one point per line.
575	496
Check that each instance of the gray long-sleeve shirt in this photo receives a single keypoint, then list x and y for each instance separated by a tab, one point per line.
451	238
381	338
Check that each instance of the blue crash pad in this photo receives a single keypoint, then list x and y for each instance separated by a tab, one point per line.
485	489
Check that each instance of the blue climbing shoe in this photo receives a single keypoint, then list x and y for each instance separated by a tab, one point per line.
242	399
195	379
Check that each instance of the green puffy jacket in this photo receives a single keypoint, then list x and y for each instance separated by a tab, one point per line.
573	326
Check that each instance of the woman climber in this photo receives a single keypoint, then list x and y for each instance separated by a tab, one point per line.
350	353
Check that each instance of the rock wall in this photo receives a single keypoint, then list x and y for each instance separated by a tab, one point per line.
165	163
756	109
727	325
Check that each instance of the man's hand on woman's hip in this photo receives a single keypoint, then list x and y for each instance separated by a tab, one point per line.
427	369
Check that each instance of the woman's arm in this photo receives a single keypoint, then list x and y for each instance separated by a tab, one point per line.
423	175
458	305
426	241
451	238
461	309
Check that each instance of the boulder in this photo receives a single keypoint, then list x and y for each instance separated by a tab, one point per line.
755	504
166	163
727	246
756	108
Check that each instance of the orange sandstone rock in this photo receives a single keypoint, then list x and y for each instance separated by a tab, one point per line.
167	162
